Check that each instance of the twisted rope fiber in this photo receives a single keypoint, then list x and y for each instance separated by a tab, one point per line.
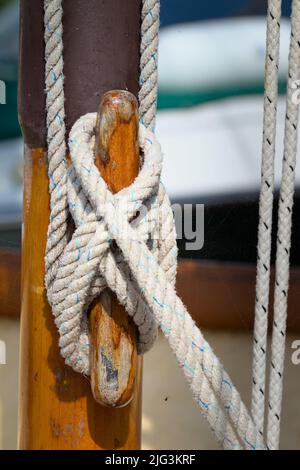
265	215
142	271
148	62
286	199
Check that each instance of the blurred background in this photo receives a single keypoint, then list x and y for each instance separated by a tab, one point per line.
211	73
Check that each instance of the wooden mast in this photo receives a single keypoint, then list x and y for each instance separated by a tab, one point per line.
101	52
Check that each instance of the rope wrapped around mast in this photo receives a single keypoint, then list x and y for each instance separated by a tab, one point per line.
141	266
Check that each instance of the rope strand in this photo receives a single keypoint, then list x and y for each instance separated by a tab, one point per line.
265	215
282	267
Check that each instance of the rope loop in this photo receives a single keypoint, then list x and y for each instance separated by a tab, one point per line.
91	262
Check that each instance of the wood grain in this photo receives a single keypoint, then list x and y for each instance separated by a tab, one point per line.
113	334
56	407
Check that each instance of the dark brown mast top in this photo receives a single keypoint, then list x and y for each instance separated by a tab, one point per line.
101	53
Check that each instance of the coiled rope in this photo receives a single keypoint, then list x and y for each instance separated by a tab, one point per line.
284	226
142	271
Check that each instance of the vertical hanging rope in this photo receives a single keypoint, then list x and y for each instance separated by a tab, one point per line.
286	197
57	165
148	67
265	214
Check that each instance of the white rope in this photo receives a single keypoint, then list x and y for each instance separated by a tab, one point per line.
284	226
265	214
211	386
286	198
58	174
148	62
57	165
142	271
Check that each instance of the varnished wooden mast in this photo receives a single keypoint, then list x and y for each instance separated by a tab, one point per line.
101	52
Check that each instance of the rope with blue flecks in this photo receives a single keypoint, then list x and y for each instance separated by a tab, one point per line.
100	217
142	271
